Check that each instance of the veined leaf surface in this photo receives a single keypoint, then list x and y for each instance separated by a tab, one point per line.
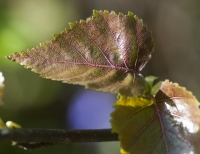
167	124
104	53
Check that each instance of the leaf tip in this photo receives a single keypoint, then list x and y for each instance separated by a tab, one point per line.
67	30
106	12
20	58
13	56
72	24
95	12
112	12
9	57
82	21
88	19
121	14
136	17
130	13
55	36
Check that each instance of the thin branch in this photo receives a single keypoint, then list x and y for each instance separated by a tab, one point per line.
36	138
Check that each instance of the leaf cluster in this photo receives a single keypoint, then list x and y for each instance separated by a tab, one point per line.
107	53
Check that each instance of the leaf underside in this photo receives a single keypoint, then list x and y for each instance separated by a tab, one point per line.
104	53
167	124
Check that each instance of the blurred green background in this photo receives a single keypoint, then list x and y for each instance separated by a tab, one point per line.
34	102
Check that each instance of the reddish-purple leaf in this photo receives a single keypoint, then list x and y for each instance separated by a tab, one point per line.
104	53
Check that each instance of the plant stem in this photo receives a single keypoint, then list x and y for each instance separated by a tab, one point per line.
36	138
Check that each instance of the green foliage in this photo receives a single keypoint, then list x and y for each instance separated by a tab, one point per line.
153	89
104	53
167	123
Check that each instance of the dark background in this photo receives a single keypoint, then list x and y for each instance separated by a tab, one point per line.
35	102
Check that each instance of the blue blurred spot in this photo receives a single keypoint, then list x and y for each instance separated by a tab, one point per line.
90	110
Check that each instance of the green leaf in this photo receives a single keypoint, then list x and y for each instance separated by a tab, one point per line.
167	124
150	80
156	88
1	86
104	53
153	89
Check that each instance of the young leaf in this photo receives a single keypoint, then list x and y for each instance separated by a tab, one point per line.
167	124
1	86
153	89
104	53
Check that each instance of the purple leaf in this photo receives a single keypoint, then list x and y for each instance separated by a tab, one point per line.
104	53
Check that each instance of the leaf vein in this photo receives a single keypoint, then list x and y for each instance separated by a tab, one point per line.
116	40
100	49
162	126
143	129
155	143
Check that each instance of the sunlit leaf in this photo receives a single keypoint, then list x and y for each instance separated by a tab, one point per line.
153	89
166	124
150	80
104	53
1	86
